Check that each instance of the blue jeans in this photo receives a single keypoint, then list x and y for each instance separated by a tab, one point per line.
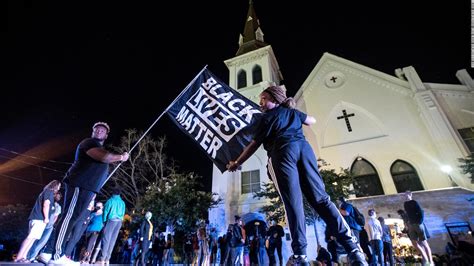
39	244
377	252
237	255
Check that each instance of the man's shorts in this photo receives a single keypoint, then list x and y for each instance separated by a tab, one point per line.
36	229
417	232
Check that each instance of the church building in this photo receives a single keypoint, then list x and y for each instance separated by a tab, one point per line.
393	132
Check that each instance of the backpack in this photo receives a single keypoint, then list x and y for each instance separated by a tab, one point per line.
358	216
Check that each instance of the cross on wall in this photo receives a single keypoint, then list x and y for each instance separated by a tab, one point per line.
346	116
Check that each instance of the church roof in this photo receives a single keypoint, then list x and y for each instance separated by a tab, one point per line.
252	38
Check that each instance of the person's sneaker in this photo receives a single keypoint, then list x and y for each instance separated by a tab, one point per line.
44	258
64	261
298	260
357	258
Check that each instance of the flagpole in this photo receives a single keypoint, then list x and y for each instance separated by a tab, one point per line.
156	120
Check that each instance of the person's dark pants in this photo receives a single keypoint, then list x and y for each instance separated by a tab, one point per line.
75	203
49	247
225	254
278	249
236	255
144	246
388	252
158	258
76	234
212	252
91	239
332	248
126	257
271	253
294	170
188	258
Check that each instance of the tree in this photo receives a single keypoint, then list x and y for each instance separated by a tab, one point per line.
274	210
150	181
147	165
467	166
337	185
178	202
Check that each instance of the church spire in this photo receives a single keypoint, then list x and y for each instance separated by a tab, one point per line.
252	38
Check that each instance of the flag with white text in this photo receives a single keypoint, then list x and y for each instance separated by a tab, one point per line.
217	117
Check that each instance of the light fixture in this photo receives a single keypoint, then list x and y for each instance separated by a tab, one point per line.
446	169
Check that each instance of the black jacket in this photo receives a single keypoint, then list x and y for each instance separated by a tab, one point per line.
145	230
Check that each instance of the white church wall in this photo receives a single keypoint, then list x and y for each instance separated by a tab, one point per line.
386	125
459	107
228	186
444	136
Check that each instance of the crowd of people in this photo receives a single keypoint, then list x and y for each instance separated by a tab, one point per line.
97	238
374	237
56	229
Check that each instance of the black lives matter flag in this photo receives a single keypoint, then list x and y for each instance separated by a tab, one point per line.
217	117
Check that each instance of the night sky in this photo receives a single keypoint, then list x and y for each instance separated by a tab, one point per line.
68	65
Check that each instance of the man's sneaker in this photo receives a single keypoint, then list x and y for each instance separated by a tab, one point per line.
44	258
64	261
301	260
357	258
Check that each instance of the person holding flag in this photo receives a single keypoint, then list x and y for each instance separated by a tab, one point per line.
293	167
82	182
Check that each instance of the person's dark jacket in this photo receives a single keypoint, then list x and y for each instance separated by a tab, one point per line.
145	230
414	212
350	218
276	230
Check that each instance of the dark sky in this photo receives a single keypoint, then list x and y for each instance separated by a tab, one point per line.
67	65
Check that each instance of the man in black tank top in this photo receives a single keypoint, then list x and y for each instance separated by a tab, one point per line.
84	179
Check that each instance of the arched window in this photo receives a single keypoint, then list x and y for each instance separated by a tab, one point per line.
256	74
241	79
366	179
405	177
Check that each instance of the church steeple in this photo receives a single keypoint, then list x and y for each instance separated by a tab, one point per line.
255	66
252	38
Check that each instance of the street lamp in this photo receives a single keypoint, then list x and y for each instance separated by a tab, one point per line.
448	169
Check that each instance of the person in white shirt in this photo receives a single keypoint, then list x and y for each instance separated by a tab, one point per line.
375	232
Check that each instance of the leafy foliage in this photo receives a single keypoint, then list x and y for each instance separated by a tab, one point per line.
467	166
337	184
177	202
274	210
150	181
